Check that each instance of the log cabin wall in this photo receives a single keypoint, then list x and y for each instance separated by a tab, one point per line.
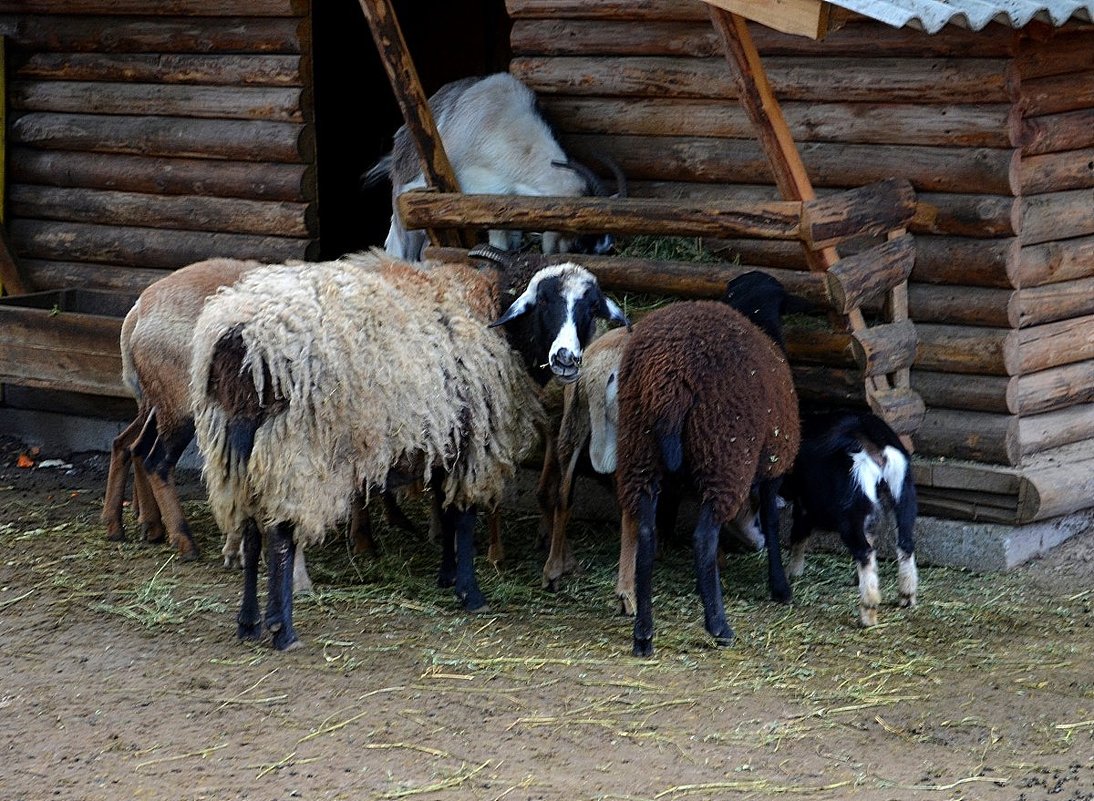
995	130
147	134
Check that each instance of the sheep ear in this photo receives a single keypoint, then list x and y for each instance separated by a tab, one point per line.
610	310
517	308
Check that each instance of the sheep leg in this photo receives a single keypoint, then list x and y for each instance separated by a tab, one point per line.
360	527
249	622
148	512
908	574
280	556
800	531
549	491
628	545
496	552
769	522
120	459
560	559
705	547
396	516
161	477
461	522
853	534
301	581
646	519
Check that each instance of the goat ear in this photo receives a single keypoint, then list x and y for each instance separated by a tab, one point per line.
518	307
610	310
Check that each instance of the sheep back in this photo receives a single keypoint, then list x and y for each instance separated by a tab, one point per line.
155	336
701	371
360	369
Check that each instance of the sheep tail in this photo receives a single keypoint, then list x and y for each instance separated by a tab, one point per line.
232	388
669	434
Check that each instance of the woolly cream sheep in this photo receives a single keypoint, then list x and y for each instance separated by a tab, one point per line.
310	382
705	394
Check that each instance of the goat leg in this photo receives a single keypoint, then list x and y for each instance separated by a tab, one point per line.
769	522
120	459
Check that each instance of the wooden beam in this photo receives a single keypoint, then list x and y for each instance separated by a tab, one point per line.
865	211
11	281
800	17
414	104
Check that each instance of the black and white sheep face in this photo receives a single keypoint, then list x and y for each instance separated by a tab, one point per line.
557	316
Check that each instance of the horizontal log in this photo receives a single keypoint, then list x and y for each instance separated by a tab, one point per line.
977	436
1052	389
52	38
1052	302
62	274
971	262
854	279
215	70
975	507
245	140
883	349
829	385
1057	215
230	215
1040	347
1040	432
194	8
558	34
1071	130
864	211
962	305
1059	488
942	474
814	344
145	247
609	9
1058	93
1057	261
930	169
979	393
976	216
970	125
962	349
685	279
278	104
902	409
256	181
425	209
792	78
1056	172
1063	52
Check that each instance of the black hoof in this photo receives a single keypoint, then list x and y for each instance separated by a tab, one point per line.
117	536
285	639
724	638
249	631
782	596
643	647
189	554
153	535
446	579
551	585
474	601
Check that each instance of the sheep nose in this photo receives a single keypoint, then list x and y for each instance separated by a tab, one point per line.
565	358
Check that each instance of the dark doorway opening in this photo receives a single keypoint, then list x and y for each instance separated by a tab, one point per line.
356	113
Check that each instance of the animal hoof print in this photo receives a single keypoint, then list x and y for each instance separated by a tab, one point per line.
643	647
249	631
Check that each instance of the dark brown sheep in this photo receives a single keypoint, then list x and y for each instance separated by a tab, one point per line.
705	393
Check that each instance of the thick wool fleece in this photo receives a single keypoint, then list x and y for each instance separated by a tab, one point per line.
700	368
368	366
155	337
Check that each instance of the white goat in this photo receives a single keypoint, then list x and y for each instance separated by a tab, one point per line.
498	144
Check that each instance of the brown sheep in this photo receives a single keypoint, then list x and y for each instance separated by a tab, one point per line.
705	393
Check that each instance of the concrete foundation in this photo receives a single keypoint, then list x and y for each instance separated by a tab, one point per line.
981	547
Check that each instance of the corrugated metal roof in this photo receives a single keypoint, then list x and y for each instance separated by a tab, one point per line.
932	15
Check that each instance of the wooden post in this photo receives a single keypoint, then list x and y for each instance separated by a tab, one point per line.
414	104
763	109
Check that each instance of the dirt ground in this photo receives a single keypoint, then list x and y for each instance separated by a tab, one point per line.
123	678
